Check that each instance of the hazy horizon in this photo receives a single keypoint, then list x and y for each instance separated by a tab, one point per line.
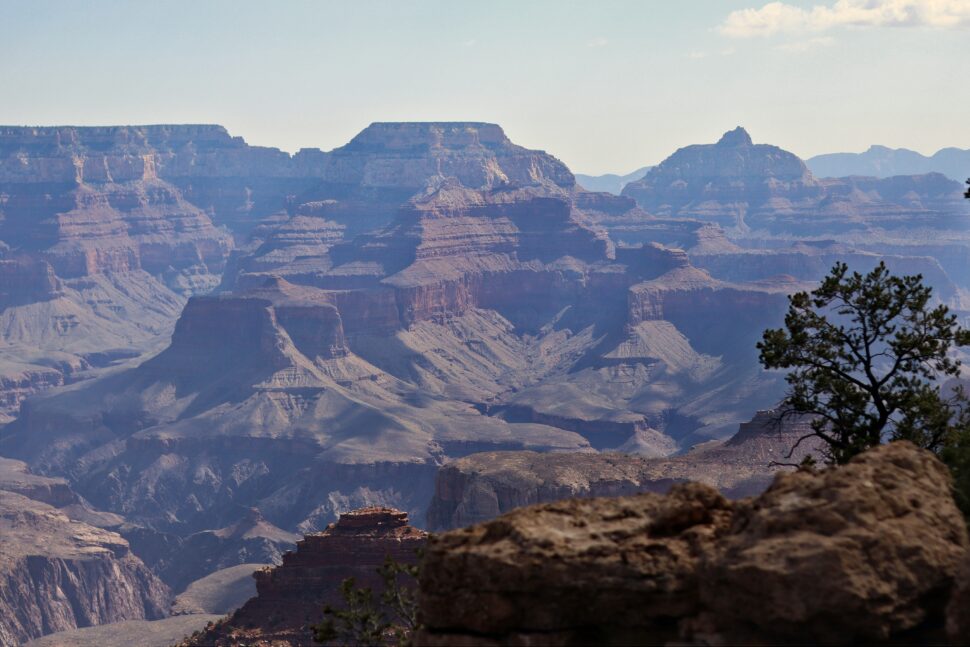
607	90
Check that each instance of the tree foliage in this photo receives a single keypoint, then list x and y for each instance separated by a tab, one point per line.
867	355
368	620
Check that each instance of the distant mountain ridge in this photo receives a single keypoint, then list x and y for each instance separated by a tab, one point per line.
610	182
881	161
877	161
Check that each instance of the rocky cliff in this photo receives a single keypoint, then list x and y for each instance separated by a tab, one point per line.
482	486
326	371
426	292
766	191
57	573
290	597
864	553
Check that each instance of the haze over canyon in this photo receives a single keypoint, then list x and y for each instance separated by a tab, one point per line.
209	349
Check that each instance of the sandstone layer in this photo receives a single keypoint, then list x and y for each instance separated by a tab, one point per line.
863	553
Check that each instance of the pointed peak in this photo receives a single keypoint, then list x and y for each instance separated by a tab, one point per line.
737	137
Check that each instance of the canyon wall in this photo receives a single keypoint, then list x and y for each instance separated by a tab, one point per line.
58	572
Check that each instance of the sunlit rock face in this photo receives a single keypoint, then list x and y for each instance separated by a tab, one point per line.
762	190
802	561
58	569
304	334
290	597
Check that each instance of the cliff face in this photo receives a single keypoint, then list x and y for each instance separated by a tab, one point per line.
426	292
290	597
479	487
58	574
756	189
326	371
178	561
90	201
722	182
97	252
864	553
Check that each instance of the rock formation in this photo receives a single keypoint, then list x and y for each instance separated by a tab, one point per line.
724	182
62	562
482	486
764	190
326	372
57	573
178	560
290	597
863	553
425	292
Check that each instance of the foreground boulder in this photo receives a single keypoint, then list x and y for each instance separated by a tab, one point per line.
599	570
866	552
958	611
854	554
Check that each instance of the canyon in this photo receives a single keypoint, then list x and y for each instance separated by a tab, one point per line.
210	349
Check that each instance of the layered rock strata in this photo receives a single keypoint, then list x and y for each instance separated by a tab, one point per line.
290	597
425	292
479	487
863	553
58	574
749	187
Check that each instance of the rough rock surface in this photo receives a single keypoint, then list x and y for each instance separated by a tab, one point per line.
290	597
58	574
604	571
862	553
958	611
883	532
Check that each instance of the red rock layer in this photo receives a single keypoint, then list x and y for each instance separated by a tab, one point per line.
290	597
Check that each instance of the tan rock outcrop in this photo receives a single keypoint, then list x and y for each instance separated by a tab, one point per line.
854	554
863	553
611	570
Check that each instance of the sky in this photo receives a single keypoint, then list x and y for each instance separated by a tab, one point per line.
605	85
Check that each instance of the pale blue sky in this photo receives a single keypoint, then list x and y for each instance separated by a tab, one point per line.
607	86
